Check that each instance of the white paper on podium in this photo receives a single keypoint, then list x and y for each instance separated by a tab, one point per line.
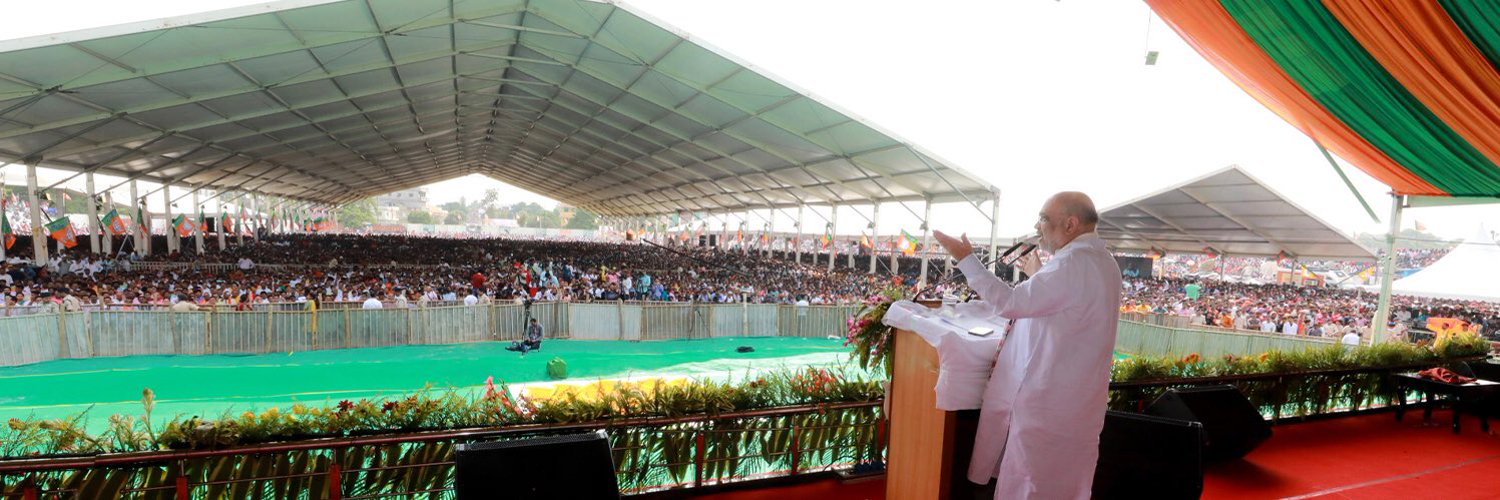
964	360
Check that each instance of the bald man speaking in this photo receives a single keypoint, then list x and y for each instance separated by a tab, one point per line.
1044	403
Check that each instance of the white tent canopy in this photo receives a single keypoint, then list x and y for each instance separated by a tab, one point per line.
1230	212
1470	272
590	103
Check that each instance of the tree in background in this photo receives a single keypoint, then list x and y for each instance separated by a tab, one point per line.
457	212
583	219
419	217
358	213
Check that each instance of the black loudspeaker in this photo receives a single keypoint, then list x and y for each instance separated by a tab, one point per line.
563	467
1143	456
1231	425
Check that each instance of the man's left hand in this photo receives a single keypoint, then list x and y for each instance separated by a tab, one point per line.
958	248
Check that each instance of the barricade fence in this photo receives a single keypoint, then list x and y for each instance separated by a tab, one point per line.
1148	339
266	328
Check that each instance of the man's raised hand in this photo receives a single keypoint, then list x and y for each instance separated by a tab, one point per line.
958	248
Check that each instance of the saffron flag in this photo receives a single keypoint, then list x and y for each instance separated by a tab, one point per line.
827	239
140	216
907	244
10	236
183	224
114	223
864	241
62	231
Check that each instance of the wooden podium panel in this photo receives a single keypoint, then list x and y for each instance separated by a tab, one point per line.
921	462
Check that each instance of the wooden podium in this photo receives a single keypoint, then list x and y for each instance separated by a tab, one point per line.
930	448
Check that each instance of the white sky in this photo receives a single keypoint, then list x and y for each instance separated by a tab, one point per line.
1035	96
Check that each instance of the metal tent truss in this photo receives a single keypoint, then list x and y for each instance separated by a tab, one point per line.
593	104
1229	212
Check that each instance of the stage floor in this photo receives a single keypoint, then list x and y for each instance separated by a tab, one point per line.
1368	456
1364	457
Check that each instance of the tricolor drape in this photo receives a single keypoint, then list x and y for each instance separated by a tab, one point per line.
1406	90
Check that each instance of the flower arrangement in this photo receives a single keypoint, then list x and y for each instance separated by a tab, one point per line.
1307	382
1333	357
870	338
428	409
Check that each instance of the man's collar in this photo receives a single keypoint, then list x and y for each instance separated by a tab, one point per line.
1080	241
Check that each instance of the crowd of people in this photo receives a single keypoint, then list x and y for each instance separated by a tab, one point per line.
414	271
1297	310
399	271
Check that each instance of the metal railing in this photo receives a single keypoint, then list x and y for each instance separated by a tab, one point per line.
45	334
266	328
649	454
1140	338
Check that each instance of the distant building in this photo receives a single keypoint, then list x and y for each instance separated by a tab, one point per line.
389	214
407	200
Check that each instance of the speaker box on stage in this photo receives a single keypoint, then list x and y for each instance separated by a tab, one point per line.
546	468
1145	456
1231	425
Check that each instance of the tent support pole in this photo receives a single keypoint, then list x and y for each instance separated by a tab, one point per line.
875	237
995	232
926	241
797	254
1387	272
833	237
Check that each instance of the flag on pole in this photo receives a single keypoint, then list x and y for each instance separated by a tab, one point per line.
228	225
140	215
827	238
10	236
908	244
864	241
114	223
62	231
202	221
183	224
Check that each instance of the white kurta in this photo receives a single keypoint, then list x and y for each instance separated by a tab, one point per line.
1045	401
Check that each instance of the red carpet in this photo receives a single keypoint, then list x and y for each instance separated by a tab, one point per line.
1363	457
871	488
1369	456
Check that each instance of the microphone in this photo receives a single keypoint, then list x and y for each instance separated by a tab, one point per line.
1012	249
1024	245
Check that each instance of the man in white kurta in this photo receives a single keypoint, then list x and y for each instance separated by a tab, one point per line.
1044	404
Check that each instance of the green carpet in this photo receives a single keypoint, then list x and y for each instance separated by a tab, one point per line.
216	384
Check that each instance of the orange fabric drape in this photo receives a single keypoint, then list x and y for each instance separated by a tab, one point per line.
1431	56
1215	34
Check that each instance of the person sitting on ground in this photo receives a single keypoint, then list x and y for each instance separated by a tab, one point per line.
532	342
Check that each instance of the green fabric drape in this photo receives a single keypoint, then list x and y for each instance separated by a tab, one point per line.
1480	21
1319	53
